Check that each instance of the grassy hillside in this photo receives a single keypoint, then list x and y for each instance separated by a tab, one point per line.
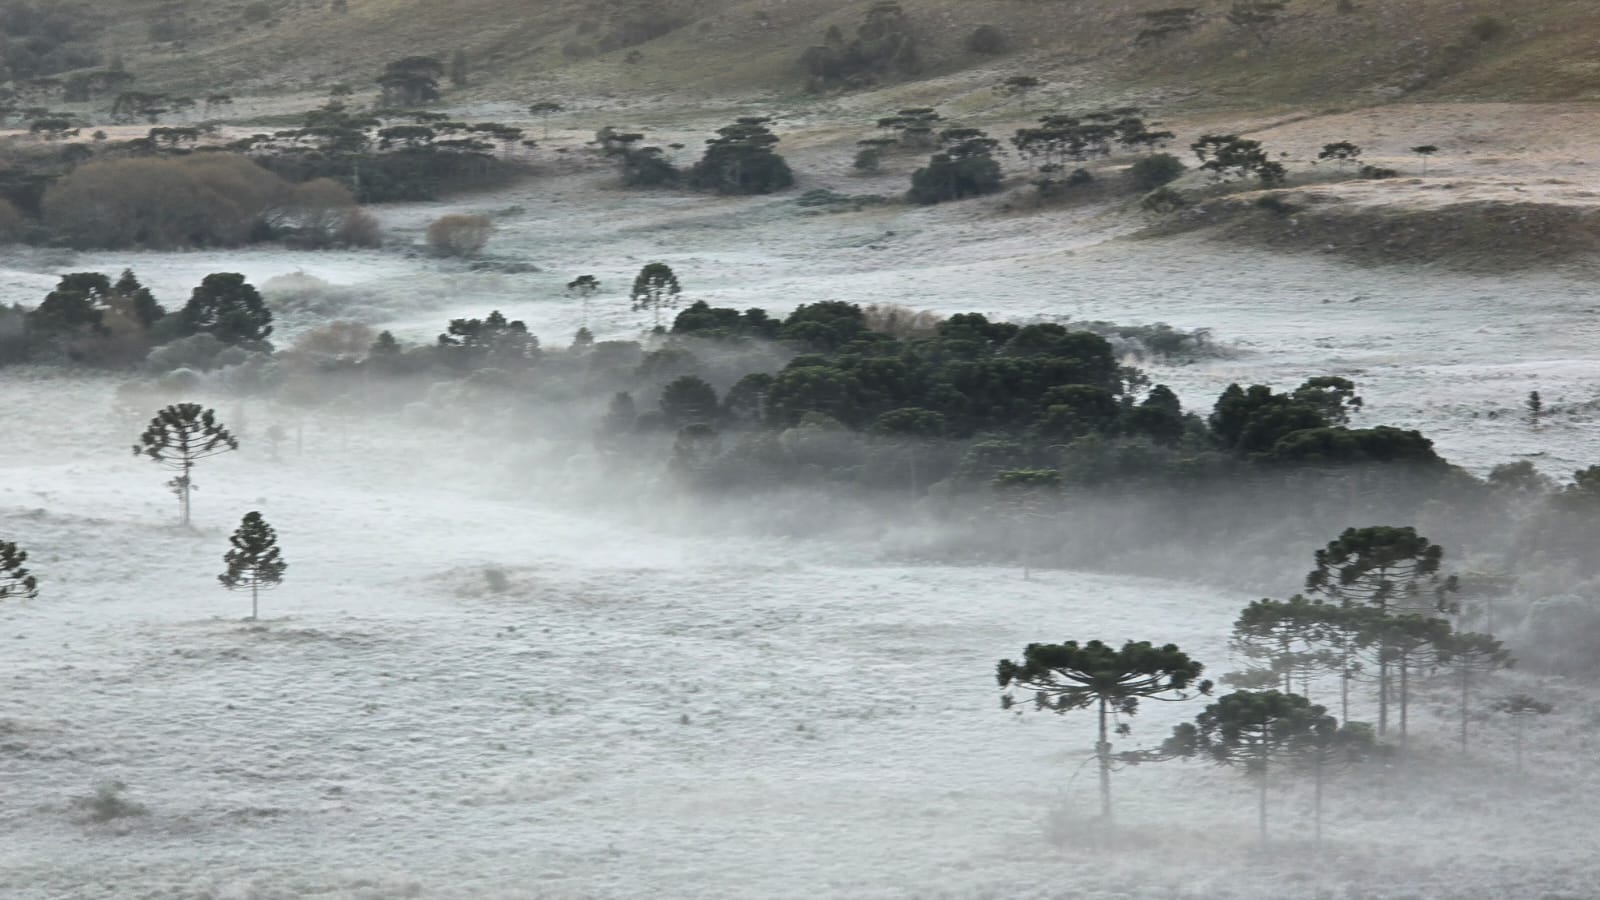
1378	50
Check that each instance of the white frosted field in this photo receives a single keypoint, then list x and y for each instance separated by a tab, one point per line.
652	710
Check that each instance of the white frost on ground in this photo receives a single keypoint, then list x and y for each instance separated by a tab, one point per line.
648	714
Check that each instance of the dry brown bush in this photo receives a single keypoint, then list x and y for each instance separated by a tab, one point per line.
459	235
336	340
901	322
201	200
360	229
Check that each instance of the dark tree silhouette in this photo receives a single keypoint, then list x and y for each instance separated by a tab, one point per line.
1467	653
544	109
1521	708
15	580
740	160
1066	677
411	81
180	436
1425	151
655	288
1390	569
228	308
254	563
1252	730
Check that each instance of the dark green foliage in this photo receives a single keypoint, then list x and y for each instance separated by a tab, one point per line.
1230	156
1151	172
494	342
411	81
883	44
966	168
228	308
1348	446
1254	730
39	38
180	436
1342	152
740	160
1066	677
701	320
255	562
655	288
15	580
689	400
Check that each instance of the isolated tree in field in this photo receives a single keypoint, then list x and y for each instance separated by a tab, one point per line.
1390	569
1231	156
15	580
254	563
1535	405
1342	152
228	308
1468	653
411	81
1252	730
1425	151
583	287
1521	708
180	436
740	160
655	288
1067	677
544	109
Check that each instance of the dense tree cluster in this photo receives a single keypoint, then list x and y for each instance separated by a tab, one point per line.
884	44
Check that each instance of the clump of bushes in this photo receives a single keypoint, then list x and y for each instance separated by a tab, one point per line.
986	39
107	804
459	235
1151	172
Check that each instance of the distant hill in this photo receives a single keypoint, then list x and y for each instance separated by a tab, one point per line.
1309	52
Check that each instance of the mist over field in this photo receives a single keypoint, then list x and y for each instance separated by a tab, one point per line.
669	429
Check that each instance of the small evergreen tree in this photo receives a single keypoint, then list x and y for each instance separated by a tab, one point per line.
180	436
655	288
1521	708
15	580
1425	151
740	160
1066	677
228	308
1469	652
254	563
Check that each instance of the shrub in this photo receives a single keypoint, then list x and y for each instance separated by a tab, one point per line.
1154	171
106	803
986	39
202	200
360	229
1164	200
1377	173
459	235
868	159
945	178
1487	28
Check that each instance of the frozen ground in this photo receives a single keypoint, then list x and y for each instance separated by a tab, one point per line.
644	713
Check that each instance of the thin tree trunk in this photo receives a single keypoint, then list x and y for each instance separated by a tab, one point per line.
255	612
1261	804
1316	805
1383	694
1103	750
1466	674
1404	700
1517	742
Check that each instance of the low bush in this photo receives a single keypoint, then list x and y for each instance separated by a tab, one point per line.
459	235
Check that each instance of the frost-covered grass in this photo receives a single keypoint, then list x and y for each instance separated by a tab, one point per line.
622	709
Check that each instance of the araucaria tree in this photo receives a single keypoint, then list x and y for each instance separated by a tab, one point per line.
15	581
254	563
1389	569
1066	677
740	160
1469	652
1250	729
228	308
655	288
180	436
